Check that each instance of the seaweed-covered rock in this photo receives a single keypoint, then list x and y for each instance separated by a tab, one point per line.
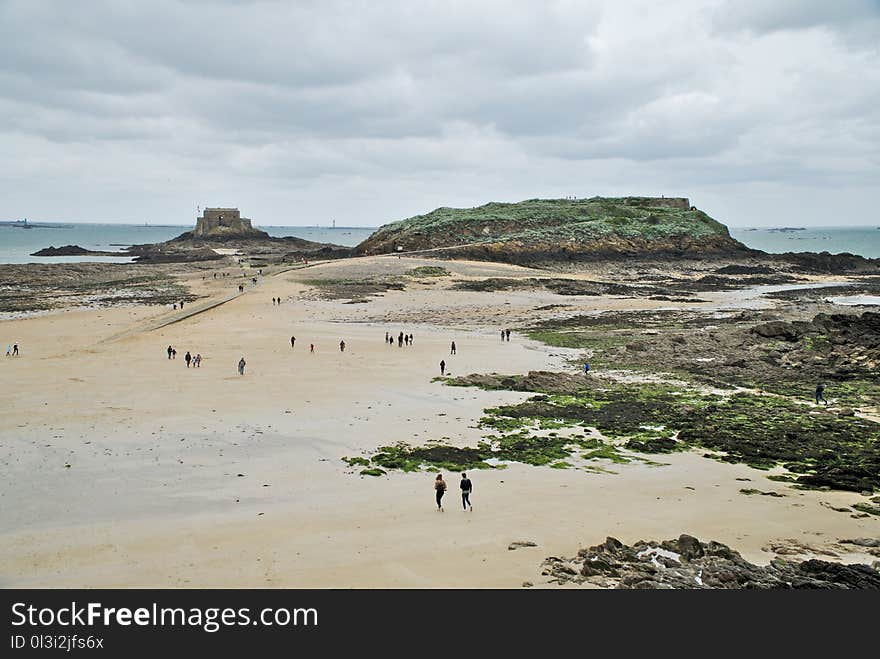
686	563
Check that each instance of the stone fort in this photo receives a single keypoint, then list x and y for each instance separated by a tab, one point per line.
223	221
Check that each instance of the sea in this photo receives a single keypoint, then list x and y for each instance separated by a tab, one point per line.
17	243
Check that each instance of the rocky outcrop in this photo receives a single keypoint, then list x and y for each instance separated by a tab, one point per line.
73	250
688	563
553	230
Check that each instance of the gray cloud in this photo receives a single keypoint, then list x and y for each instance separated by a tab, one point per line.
367	112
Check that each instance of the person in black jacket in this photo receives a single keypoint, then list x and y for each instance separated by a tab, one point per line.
466	489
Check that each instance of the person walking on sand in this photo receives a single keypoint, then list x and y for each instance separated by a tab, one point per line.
198	360
8	351
292	341
241	364
173	353
452	348
15	350
466	489
170	350
586	368
188	358
400	340
410	339
507	333
312	347
342	346
502	335
820	390
442	367
439	491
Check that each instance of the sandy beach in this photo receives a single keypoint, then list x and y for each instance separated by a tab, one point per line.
123	468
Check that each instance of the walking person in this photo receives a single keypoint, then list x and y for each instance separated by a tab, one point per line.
502	335
9	351
292	341
342	346
507	333
442	367
241	364
15	350
173	353
400	340
170	350
820	390
439	491
466	489
452	348
198	360
586	368
188	358
312	347
410	339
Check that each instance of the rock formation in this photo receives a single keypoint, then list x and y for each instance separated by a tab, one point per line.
687	563
550	230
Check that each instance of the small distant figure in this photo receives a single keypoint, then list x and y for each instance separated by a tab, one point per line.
273	301
439	490
261	271
820	390
15	350
586	368
400	340
507	333
8	351
410	339
452	348
279	301
292	341
442	367
342	346
181	304
197	360
170	350
175	306
173	353
502	335
466	489
254	280
311	347
406	339
188	358
241	364
386	337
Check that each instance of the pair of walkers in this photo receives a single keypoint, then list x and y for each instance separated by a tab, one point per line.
466	489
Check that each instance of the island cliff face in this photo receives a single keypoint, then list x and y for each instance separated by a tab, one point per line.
559	229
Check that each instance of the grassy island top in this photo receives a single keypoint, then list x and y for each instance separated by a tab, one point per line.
542	220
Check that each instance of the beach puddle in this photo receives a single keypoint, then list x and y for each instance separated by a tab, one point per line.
854	300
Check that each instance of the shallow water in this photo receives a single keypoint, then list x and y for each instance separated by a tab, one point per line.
854	300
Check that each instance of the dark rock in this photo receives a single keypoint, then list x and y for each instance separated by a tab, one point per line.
778	329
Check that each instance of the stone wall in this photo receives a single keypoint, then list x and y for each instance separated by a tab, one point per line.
216	221
678	203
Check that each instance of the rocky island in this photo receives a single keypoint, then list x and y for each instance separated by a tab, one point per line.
539	230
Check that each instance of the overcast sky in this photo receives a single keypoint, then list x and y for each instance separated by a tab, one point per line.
764	113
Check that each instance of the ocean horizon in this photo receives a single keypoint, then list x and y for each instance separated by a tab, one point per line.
17	243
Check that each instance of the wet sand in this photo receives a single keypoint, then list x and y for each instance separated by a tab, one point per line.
152	495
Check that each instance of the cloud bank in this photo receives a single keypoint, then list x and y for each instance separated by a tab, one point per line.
763	113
